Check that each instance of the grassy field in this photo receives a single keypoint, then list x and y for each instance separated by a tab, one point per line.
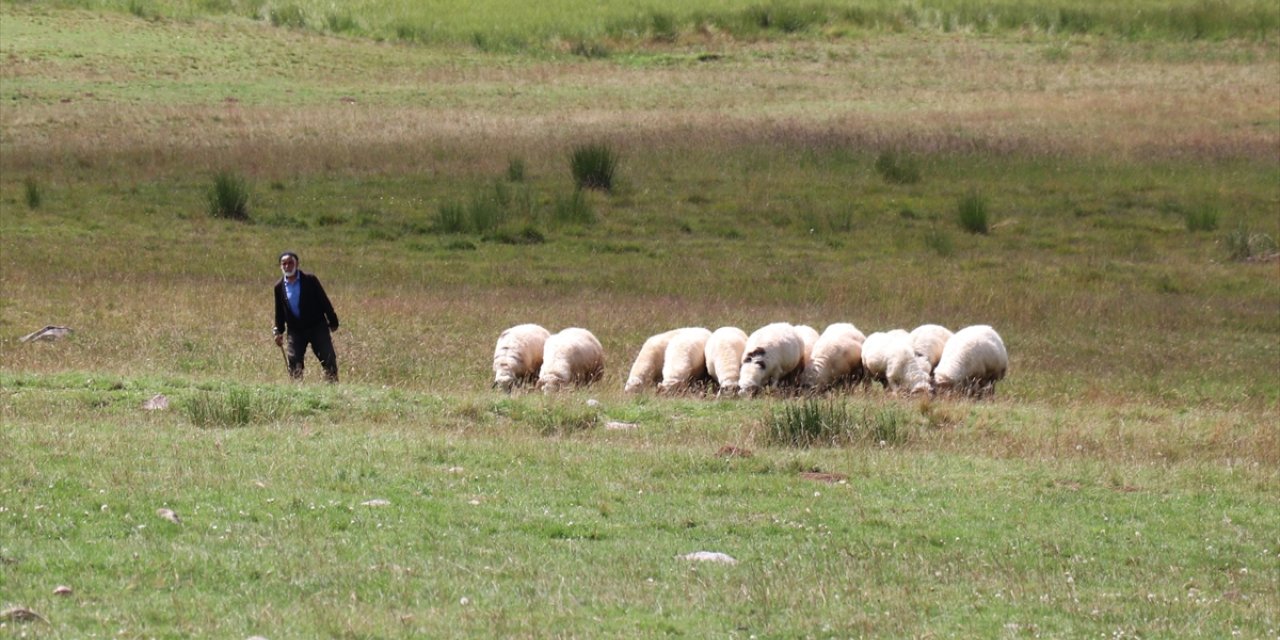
811	169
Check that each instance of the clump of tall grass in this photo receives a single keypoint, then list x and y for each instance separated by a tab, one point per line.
290	15
574	209
896	168
515	170
232	408
340	23
229	196
593	166
834	422
663	27
784	17
555	418
589	50
32	189
972	213
1243	245
939	240
1201	218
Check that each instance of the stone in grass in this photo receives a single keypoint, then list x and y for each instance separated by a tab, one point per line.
21	614
47	334
376	502
708	556
62	590
169	514
620	426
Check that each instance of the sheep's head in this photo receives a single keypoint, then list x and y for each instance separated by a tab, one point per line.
634	385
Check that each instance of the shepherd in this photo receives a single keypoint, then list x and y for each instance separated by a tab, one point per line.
304	316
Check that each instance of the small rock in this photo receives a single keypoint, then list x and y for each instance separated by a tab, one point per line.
708	556
21	614
592	402
157	402
820	476
620	426
62	590
168	514
376	502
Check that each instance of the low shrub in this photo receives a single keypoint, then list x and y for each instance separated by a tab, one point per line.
229	196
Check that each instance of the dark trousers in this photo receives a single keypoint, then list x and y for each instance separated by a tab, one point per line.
321	342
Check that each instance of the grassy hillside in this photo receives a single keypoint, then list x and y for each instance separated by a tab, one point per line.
1127	182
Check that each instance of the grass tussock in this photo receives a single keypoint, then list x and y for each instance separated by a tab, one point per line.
233	408
229	196
593	166
813	422
31	190
1243	244
972	213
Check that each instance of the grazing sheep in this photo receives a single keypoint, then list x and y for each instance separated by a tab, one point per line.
518	356
724	357
928	340
891	359
837	355
810	336
647	368
972	362
573	356
685	363
771	355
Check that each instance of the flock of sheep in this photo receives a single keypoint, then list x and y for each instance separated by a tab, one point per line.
931	359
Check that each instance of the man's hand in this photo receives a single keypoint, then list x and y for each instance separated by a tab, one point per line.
279	339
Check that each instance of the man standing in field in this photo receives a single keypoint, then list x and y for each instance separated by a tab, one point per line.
304	316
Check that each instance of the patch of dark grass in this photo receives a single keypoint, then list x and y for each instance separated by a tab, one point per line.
451	217
526	235
972	213
560	420
663	27
515	170
31	188
574	209
897	168
229	196
590	50
593	166
1201	218
937	239
340	23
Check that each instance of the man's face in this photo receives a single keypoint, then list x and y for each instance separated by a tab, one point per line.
288	266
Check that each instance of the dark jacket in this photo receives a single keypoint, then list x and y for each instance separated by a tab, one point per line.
314	305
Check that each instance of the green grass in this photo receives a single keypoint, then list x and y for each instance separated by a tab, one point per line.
1121	482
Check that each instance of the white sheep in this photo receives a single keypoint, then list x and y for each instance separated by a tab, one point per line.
928	340
772	354
685	363
517	358
809	336
573	356
724	357
647	368
837	355
890	358
972	362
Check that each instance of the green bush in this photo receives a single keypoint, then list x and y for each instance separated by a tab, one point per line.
895	168
33	193
229	196
593	166
290	15
972	213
